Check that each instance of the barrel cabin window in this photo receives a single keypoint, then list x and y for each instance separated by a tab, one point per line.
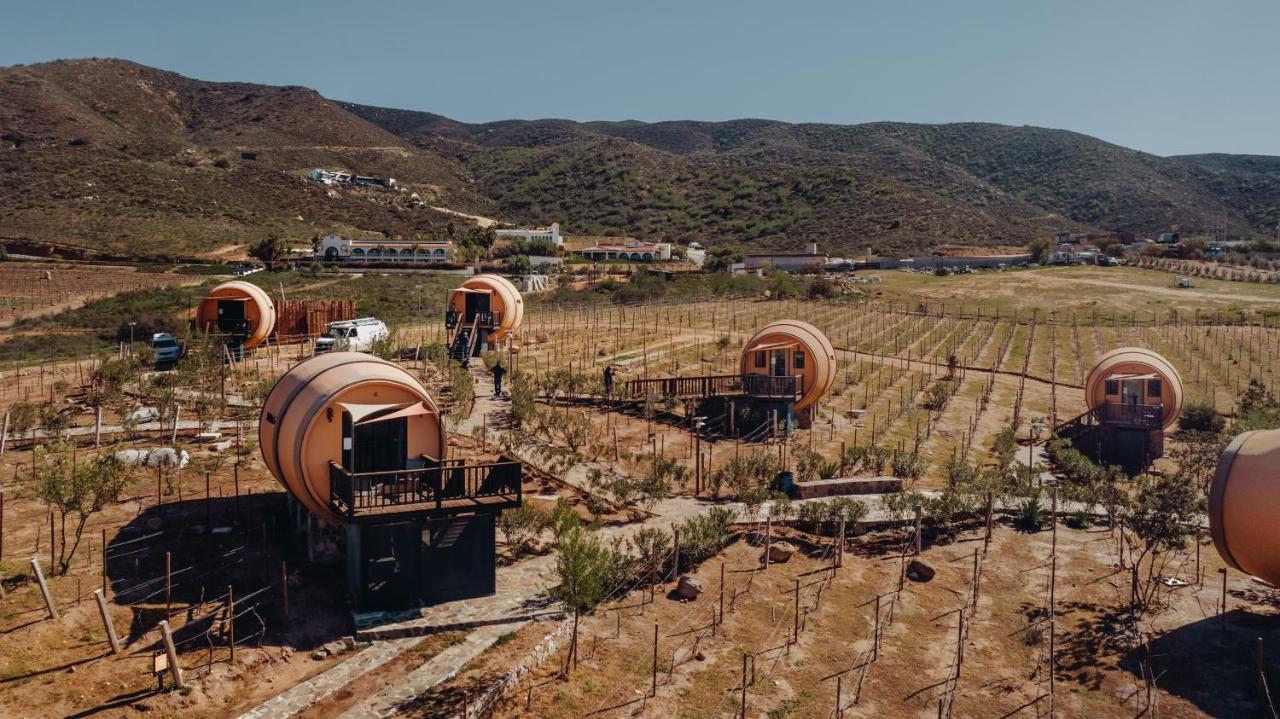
799	359
1113	387
761	360
1153	388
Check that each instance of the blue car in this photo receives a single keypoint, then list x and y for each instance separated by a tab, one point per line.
167	349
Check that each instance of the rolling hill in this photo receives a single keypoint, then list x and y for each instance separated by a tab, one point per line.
115	155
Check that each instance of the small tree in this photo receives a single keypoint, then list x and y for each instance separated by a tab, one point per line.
653	550
580	568
23	417
270	249
521	525
1163	518
77	491
1041	250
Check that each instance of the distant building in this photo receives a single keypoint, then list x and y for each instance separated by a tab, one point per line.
809	261
628	250
534	234
336	248
330	177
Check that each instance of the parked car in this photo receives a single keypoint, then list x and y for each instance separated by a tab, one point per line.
167	349
358	335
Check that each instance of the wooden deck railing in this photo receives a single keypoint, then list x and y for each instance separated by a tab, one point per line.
727	385
452	485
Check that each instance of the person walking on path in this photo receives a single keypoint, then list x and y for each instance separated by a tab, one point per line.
608	380
498	372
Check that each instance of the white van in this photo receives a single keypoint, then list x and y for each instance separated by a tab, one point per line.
356	335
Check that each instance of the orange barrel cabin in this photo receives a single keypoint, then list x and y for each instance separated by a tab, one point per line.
1244	505
1133	395
241	312
482	313
797	355
359	443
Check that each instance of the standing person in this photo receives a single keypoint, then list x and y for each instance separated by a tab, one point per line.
498	372
608	380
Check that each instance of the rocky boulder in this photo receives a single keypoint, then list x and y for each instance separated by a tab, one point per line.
779	552
688	589
920	571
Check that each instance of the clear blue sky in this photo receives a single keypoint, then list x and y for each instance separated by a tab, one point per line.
1166	76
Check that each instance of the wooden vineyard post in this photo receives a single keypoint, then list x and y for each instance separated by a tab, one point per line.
284	590
53	560
795	629
106	621
172	653
104	562
722	592
653	680
1053	580
986	537
918	511
839	687
840	546
44	589
742	712
1223	611
168	585
768	532
675	553
231	623
875	640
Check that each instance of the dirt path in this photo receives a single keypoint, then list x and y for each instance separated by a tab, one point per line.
1163	291
478	219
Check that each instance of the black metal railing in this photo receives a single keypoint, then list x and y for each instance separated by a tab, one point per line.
452	485
1114	414
486	319
233	327
1145	416
727	385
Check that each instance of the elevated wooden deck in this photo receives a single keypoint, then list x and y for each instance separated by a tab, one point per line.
726	385
450	487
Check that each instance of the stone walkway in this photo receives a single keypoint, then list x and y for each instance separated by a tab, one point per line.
440	668
301	697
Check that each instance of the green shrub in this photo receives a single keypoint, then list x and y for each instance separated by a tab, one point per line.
1031	515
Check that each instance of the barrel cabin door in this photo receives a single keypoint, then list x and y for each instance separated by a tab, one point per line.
380	446
232	323
476	303
1131	391
778	363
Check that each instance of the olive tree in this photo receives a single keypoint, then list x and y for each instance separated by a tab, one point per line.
77	491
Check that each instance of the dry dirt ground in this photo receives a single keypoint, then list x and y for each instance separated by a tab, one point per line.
36	289
1004	671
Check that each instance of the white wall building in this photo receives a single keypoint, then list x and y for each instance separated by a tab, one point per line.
629	250
336	248
547	234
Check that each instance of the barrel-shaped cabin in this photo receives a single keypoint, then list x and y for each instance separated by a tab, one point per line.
1133	386
482	313
784	370
240	311
793	355
359	443
1244	505
1133	396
